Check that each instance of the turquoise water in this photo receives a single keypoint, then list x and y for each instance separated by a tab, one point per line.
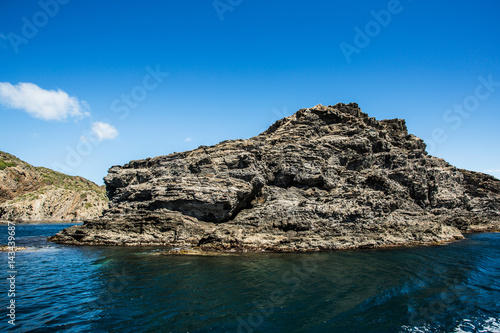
453	288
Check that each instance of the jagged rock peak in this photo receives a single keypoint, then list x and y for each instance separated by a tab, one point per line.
324	116
309	124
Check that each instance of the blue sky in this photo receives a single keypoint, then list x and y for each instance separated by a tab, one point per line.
85	85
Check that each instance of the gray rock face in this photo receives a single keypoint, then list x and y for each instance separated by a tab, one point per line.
327	177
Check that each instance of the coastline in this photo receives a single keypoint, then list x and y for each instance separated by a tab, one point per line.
4	222
195	249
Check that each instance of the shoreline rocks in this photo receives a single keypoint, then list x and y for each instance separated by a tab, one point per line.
325	178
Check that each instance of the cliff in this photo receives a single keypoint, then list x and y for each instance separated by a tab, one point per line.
29	193
327	177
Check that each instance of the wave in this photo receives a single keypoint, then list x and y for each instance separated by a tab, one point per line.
474	325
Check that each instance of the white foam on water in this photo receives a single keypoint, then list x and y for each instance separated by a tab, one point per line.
46	248
480	325
474	325
416	329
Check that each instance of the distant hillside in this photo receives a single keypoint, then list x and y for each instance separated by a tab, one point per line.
31	193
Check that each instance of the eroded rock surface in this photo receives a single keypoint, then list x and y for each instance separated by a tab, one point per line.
327	177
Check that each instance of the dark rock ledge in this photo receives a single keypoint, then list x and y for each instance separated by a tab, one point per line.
325	178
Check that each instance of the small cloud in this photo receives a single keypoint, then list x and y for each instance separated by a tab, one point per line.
492	171
188	139
2	36
41	103
103	131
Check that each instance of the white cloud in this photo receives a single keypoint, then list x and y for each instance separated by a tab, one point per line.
41	103
104	131
492	171
188	139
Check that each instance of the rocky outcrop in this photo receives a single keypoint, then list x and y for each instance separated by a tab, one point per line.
29	193
327	177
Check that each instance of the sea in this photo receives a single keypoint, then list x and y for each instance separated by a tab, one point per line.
60	288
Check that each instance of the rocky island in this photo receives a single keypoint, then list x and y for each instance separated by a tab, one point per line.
325	178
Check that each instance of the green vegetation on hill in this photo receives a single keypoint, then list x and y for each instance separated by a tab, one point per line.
4	164
8	160
73	183
29	193
51	178
76	183
10	157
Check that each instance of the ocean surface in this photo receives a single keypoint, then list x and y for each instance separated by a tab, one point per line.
452	288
